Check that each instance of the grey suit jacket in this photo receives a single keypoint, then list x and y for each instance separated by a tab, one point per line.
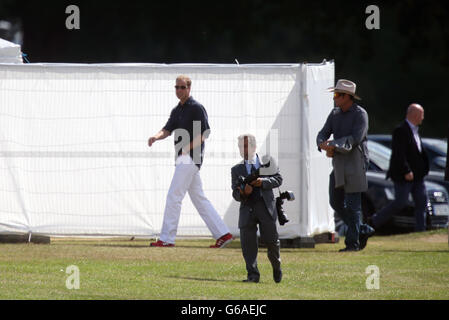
351	159
271	178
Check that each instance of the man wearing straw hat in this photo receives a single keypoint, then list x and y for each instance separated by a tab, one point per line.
348	122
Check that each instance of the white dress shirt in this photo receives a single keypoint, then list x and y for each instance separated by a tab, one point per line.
415	134
249	162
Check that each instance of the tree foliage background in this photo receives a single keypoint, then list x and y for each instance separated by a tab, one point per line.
405	61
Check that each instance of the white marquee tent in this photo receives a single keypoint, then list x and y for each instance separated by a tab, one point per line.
10	52
74	158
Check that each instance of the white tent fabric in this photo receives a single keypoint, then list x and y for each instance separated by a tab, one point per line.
74	158
10	52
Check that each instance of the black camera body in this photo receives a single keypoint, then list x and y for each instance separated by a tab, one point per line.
248	179
289	196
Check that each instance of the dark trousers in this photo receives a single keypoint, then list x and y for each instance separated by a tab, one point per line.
259	215
401	192
349	207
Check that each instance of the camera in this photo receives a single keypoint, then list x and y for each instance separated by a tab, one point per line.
252	176
247	180
289	196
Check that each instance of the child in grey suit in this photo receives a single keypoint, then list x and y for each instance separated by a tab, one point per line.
257	207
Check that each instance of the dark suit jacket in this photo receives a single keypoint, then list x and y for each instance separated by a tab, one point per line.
269	181
446	176
405	155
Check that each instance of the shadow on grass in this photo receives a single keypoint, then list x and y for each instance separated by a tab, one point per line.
416	251
196	279
140	246
106	245
205	279
233	246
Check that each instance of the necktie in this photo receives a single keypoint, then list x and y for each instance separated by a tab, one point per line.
256	190
253	168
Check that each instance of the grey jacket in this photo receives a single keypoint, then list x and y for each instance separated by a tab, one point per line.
350	160
271	178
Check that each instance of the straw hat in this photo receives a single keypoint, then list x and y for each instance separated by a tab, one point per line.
345	86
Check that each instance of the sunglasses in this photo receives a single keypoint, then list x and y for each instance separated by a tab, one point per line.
338	94
180	87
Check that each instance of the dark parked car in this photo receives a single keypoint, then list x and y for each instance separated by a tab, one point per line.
436	149
381	192
380	161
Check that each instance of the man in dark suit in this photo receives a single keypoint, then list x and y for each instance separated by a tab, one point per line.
409	165
257	207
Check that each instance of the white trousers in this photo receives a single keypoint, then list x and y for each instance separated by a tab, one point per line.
187	178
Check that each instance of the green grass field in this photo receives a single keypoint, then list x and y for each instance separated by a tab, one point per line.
411	266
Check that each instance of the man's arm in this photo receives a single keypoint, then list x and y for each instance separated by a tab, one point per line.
398	147
162	134
325	132
169	127
236	193
358	133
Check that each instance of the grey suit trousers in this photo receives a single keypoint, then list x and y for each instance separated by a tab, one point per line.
259	215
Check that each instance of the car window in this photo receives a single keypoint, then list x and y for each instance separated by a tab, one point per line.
379	155
437	145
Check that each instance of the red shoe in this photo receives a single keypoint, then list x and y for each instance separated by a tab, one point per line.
160	243
222	241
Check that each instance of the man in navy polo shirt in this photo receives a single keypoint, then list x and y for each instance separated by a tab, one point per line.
190	123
